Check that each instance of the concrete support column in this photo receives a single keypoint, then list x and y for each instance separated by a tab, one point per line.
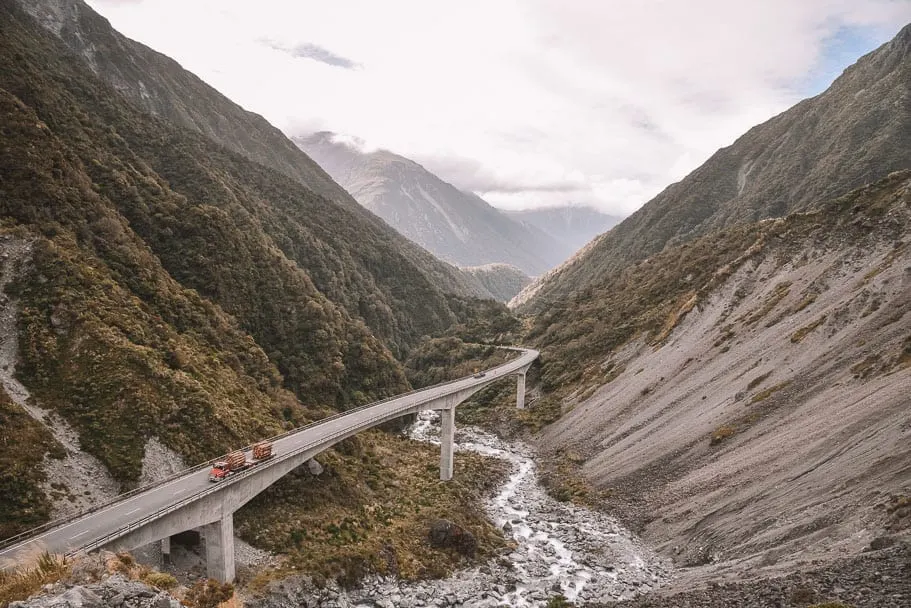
520	392
166	550
447	439
220	549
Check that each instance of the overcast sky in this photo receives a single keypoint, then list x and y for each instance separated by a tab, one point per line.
525	102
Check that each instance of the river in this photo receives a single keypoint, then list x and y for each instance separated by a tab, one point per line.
561	549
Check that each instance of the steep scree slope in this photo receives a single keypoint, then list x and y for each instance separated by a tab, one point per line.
856	132
748	391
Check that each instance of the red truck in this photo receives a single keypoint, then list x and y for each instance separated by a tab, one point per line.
236	461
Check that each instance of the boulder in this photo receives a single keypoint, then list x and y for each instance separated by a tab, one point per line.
315	468
445	534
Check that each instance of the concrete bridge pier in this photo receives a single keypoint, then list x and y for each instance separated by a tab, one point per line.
166	550
520	390
219	537
447	440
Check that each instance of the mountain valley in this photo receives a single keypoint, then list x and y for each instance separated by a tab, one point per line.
723	375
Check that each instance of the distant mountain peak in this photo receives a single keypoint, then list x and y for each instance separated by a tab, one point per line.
457	226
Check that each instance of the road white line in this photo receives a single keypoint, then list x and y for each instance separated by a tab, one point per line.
131	512
302	438
116	505
80	534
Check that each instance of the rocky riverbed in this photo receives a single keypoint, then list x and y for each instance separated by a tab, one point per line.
558	549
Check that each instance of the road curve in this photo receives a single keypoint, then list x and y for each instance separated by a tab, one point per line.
90	528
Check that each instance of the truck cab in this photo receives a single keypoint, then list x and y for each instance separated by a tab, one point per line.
219	471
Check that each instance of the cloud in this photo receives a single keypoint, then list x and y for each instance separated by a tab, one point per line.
526	103
307	50
470	174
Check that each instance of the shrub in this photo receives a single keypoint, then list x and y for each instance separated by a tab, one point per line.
209	594
160	580
559	601
28	579
722	433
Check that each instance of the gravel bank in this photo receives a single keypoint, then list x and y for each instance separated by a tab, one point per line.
878	579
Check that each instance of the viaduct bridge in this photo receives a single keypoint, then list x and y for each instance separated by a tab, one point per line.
188	500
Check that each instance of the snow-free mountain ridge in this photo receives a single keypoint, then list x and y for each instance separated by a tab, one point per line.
457	226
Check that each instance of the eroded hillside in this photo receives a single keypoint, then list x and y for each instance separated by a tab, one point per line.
745	396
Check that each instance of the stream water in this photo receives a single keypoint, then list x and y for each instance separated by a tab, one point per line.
561	549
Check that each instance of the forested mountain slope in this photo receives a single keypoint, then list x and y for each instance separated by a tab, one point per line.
158	85
149	239
856	132
501	280
162	287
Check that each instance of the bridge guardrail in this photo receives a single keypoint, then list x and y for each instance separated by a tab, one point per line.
324	441
23	537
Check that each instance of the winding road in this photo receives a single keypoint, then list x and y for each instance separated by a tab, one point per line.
190	499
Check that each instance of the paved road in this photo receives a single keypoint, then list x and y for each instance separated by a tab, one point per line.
78	532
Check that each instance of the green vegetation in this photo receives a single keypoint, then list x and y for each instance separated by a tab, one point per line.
758	380
559	601
160	580
208	594
645	300
561	475
177	290
722	432
808	299
29	577
23	444
441	359
865	368
772	300
370	509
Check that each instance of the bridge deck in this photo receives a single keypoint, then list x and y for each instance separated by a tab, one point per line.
92	528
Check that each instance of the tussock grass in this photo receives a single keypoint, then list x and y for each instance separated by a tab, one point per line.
36	571
802	333
758	380
765	394
721	433
780	292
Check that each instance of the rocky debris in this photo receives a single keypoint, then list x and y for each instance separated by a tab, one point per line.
114	592
557	549
248	556
158	462
898	511
880	579
315	468
86	480
444	534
